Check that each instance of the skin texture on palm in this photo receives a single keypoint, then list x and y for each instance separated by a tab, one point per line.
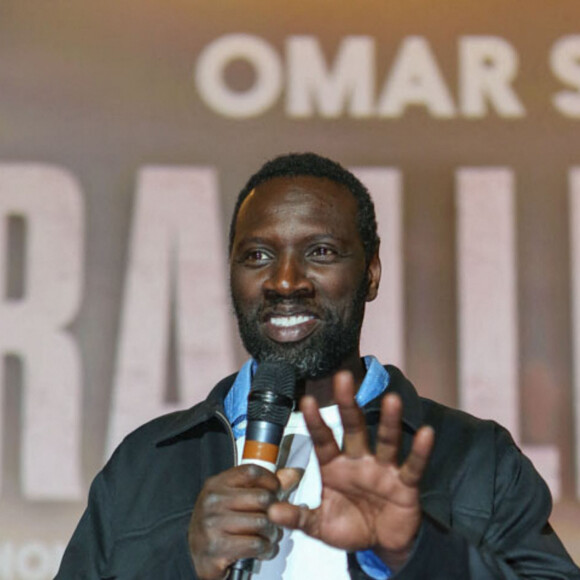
368	500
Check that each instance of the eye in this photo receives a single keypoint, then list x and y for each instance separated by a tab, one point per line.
323	254
256	257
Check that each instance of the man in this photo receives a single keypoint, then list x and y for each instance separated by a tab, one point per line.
369	489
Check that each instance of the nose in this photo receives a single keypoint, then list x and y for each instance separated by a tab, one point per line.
288	277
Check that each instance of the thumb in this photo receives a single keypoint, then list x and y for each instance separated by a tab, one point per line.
294	517
289	478
285	514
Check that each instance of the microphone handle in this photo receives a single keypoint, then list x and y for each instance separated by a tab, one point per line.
261	448
262	444
243	569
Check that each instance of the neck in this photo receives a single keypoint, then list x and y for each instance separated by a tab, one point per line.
321	388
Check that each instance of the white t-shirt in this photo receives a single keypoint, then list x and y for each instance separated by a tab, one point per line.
302	557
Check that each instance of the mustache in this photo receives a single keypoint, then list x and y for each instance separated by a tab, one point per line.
267	312
276	300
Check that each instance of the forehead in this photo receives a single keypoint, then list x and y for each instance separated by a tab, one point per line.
308	200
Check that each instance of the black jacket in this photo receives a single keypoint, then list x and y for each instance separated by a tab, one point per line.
485	507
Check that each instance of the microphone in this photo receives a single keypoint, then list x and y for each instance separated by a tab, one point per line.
270	402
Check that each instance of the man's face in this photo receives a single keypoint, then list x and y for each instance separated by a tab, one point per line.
298	275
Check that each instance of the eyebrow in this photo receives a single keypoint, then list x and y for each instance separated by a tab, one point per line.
260	240
253	240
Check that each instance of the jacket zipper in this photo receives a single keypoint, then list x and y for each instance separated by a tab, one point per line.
224	421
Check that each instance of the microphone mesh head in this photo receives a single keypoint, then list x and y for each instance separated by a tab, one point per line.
272	394
279	377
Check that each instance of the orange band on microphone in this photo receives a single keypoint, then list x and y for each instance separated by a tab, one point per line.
262	451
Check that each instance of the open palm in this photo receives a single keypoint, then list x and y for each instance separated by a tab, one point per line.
368	500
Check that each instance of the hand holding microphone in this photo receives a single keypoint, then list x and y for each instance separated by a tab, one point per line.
270	403
229	519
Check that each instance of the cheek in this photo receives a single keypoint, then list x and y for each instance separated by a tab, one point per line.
344	293
342	284
245	286
338	294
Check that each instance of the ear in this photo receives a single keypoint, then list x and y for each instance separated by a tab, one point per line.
374	276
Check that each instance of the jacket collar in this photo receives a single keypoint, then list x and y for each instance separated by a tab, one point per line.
412	409
434	498
183	421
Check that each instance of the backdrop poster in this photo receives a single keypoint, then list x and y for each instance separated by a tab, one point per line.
127	129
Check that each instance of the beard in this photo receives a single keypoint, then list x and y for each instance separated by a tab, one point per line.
319	354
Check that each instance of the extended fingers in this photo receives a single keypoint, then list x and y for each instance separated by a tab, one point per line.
389	435
389	430
323	440
355	433
412	470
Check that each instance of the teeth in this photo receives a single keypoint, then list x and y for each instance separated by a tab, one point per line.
287	321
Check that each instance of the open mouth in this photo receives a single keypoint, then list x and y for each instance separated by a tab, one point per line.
290	327
289	321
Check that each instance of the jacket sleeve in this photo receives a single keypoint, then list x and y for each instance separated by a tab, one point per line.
97	551
85	556
517	541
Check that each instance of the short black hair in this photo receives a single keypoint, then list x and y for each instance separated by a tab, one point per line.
311	164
